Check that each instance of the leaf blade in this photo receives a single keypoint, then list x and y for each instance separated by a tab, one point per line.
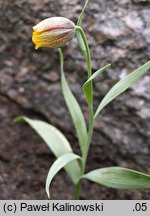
87	85
78	35
122	85
74	109
57	165
79	22
56	142
97	73
120	178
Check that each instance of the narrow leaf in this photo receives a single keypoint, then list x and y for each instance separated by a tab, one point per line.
78	35
81	43
87	85
97	73
122	85
57	165
56	141
74	109
79	23
118	177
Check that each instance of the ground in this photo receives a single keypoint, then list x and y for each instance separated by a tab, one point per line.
25	161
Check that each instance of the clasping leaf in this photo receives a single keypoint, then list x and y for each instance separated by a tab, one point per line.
122	85
118	177
56	141
57	165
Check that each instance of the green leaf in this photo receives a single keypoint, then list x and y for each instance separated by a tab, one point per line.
118	177
79	23
122	85
78	35
56	141
74	109
97	73
57	165
81	43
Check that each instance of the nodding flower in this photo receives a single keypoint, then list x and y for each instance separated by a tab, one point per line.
53	32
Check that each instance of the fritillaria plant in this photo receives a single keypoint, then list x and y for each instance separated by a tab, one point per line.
54	33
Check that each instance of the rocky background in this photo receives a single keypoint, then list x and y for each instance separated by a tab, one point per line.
118	33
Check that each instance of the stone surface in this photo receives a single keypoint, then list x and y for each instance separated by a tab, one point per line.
118	33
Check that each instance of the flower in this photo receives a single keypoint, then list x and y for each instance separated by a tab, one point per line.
53	32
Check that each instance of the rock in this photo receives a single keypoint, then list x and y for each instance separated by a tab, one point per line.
146	34
146	14
134	22
140	1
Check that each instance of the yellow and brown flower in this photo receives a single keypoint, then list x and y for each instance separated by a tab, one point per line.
53	32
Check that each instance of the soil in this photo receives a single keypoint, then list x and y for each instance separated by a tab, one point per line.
25	161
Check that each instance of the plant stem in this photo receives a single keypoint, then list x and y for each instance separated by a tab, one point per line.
78	190
90	103
90	106
88	58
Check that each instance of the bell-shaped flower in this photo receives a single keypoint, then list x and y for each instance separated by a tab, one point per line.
53	32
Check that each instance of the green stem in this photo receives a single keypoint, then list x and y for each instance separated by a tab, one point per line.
77	190
90	85
90	133
88	58
90	105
